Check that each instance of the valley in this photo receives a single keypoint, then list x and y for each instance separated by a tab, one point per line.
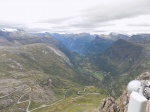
67	72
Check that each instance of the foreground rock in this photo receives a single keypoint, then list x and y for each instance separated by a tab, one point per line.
109	105
121	105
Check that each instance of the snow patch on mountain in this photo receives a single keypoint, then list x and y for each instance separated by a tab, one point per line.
9	30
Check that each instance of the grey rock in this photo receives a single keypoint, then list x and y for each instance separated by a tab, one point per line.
109	105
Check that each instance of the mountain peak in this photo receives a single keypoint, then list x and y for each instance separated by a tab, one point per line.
12	30
9	30
113	33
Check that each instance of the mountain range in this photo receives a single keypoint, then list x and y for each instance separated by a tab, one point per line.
67	70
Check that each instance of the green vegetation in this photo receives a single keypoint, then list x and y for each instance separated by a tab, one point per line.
65	87
49	77
97	74
78	103
1	94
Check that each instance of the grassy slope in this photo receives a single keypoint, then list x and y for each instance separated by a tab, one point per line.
77	103
35	64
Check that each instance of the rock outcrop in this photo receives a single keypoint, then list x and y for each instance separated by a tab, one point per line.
121	104
123	100
109	105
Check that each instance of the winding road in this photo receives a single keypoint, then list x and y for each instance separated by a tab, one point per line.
27	109
84	91
44	105
18	102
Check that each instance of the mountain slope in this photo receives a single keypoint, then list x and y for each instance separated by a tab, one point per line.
41	67
123	61
40	74
140	38
21	37
98	45
38	71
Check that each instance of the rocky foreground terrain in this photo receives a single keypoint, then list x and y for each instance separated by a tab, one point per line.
120	105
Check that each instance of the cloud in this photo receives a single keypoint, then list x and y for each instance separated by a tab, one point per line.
37	30
100	15
90	25
56	20
6	24
119	10
74	24
139	25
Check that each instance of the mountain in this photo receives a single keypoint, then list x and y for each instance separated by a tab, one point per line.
19	37
123	61
140	38
34	66
84	43
98	45
59	72
115	36
75	42
38	71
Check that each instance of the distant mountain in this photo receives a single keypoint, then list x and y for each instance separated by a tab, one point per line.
98	45
115	36
86	44
102	42
20	37
75	42
140	38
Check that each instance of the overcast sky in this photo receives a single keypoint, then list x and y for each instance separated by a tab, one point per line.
76	16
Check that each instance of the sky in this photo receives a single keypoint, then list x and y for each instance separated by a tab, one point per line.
76	16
